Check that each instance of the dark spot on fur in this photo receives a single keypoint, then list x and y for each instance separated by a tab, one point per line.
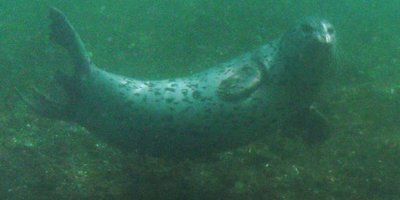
205	99
185	92
187	100
169	100
196	95
149	84
228	71
169	89
193	86
157	91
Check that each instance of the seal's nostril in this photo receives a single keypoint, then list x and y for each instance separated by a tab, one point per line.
324	39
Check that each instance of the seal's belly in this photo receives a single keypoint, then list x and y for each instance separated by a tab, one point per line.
166	115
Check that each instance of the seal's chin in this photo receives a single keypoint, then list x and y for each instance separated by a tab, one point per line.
314	54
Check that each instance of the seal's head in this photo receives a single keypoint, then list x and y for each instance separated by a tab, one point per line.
311	40
315	31
305	51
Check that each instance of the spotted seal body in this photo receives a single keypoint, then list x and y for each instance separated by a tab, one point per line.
222	107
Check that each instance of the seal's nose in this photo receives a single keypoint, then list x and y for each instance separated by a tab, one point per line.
325	39
328	33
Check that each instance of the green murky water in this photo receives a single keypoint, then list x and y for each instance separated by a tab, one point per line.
47	159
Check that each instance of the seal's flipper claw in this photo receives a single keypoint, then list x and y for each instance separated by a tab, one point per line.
43	105
64	34
25	99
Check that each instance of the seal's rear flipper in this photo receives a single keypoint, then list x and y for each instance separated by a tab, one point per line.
45	106
64	34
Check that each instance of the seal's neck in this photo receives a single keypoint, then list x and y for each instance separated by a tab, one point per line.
298	71
300	66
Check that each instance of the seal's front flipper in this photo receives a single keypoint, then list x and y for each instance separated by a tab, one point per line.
241	83
45	106
313	125
64	34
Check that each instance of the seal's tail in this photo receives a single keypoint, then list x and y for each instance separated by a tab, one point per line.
64	34
63	107
44	105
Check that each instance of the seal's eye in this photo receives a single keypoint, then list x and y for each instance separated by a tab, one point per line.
330	30
306	28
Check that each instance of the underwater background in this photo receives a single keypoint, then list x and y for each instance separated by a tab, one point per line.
48	159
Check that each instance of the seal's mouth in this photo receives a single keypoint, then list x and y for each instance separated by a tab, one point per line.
327	33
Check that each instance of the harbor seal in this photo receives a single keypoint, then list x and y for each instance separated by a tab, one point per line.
223	107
